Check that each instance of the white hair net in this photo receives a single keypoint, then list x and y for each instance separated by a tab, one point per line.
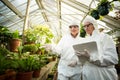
74	23
90	19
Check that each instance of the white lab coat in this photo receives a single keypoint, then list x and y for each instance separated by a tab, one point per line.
65	50
107	57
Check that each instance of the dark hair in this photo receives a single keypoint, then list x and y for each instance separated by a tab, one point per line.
73	26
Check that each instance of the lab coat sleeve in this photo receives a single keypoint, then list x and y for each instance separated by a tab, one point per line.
109	55
58	48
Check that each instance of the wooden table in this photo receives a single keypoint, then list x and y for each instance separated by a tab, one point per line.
46	70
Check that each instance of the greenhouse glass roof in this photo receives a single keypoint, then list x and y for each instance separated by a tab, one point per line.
57	14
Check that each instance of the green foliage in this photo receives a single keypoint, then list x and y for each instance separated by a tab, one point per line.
38	64
95	14
15	34
38	45
4	62
82	31
103	1
29	63
30	36
13	56
103	8
30	48
4	51
5	36
45	34
39	34
25	64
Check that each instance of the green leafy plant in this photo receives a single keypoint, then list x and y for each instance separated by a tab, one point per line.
32	48
25	64
15	34
4	51
39	63
39	33
45	34
15	42
5	36
30	36
103	8
82	31
4	62
94	13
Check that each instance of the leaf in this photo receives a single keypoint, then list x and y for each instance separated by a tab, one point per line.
95	14
82	31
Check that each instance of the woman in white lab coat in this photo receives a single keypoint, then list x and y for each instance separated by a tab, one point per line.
69	67
101	65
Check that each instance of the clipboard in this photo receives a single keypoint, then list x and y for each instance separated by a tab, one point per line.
90	46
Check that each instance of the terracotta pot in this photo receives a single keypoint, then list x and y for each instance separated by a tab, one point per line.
55	75
10	75
36	73
50	59
14	44
39	52
54	58
2	77
24	75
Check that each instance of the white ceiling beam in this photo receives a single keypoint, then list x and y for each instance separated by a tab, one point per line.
13	8
39	2
41	7
59	16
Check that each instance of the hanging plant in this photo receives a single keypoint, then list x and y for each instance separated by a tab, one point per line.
103	8
116	0
94	13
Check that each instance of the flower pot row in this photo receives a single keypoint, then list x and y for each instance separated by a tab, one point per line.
12	75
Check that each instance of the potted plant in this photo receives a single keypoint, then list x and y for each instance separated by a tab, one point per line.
4	63
11	71
5	36
103	8
8	63
32	48
38	64
39	50
30	36
25	68
94	13
15	42
39	33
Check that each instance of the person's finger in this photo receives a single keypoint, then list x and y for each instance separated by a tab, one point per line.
78	54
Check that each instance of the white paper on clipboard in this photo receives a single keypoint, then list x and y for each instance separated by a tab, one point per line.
89	46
